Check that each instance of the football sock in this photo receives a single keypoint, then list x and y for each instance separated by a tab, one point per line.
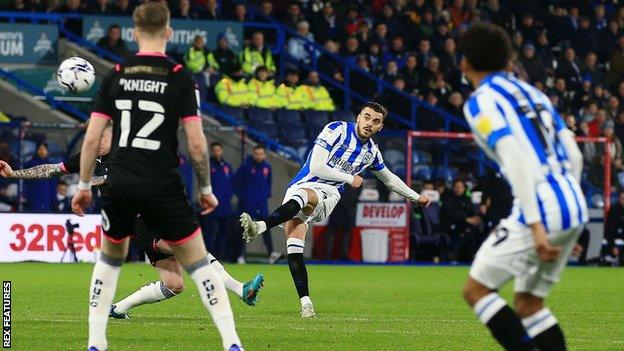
230	283
288	210
148	293
543	328
101	293
294	249
215	299
503	322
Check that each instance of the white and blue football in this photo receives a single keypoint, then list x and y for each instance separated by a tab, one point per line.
75	74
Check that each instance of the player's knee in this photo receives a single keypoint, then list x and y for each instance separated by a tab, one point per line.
473	292
312	197
527	304
175	285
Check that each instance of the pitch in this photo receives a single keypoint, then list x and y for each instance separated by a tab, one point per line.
358	307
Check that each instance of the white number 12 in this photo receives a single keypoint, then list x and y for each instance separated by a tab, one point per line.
140	141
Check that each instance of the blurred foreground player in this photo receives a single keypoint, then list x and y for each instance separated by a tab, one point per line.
159	253
341	152
518	128
146	96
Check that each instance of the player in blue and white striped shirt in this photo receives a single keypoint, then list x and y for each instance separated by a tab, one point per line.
341	152
518	128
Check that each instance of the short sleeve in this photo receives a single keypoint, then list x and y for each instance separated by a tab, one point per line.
189	103
103	104
330	135
71	165
486	119
378	162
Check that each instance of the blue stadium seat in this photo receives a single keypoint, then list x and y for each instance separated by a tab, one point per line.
270	129
342	115
422	172
394	158
448	174
288	116
290	131
259	115
316	117
232	111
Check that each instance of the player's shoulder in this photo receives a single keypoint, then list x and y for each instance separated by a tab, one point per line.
336	126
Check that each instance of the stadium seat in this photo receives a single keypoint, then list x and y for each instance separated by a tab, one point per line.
259	115
287	116
235	112
342	115
394	157
290	131
447	174
267	128
316	117
422	172
420	157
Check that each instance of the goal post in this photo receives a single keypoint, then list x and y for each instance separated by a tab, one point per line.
431	135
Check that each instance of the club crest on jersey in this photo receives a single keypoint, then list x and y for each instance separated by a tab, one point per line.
367	157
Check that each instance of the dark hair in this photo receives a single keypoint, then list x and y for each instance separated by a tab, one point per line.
377	107
61	182
215	143
487	47
259	146
113	26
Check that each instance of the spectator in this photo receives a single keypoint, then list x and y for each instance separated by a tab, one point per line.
351	49
560	24
184	11
618	126
459	13
195	61
39	193
585	38
532	65
61	202
461	221
266	8
351	22
375	57
363	33
426	25
410	73
449	58
616	62
528	29
396	52
442	89
496	200
401	106
428	120
569	68
455	107
231	90
18	5
439	37
429	74
73	7
261	90
361	83
389	18
544	52
216	225
326	25
222	58
595	126
600	19
5	154
329	66
381	35
101	7
123	8
211	11
424	52
615	151
590	69
342	220
565	97
287	95
608	41
252	185
240	13
113	42
614	227
392	71
316	96
497	14
298	47
293	16
613	106
257	54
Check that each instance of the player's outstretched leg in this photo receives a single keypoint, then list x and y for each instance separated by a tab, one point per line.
539	322
102	291
171	284
298	200
494	313
295	230
194	258
248	292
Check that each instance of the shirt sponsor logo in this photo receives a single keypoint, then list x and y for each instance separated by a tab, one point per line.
343	164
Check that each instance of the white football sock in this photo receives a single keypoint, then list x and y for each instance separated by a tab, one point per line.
101	293
148	293
215	299
230	283
539	322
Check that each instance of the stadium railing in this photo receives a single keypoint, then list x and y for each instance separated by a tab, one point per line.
349	67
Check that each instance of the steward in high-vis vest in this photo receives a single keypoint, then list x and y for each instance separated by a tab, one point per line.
287	95
255	55
195	61
232	89
261	90
314	95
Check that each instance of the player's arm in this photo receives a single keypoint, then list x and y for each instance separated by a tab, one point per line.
44	171
198	151
394	183
566	136
320	168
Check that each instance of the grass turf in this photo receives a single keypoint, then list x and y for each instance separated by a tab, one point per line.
358	308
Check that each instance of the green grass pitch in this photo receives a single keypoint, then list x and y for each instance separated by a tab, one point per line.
358	308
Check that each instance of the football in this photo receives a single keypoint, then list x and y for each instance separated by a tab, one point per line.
75	74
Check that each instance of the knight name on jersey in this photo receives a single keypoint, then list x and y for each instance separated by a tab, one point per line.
146	86
343	164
